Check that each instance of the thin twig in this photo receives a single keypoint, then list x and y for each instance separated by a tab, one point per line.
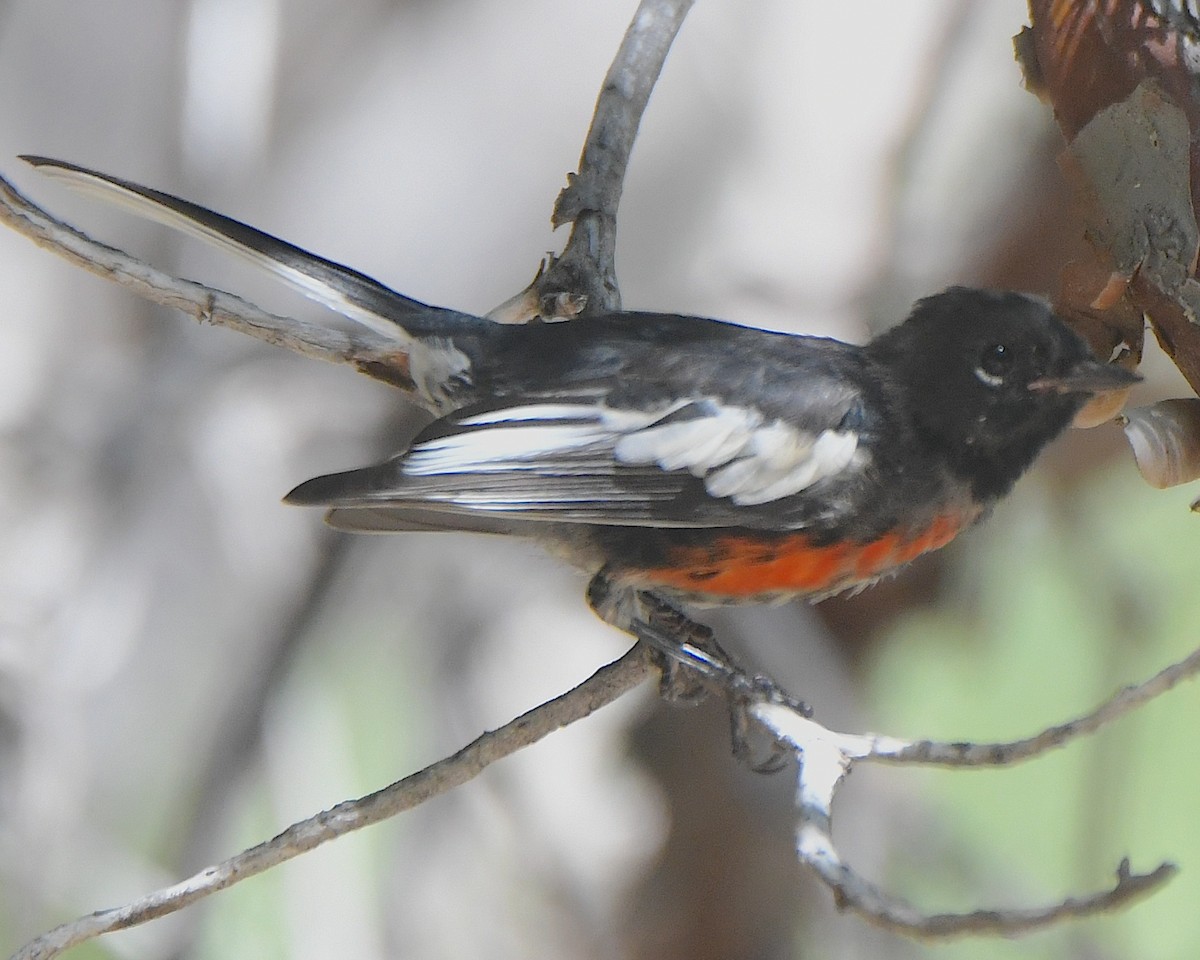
826	757
946	754
360	347
600	689
587	265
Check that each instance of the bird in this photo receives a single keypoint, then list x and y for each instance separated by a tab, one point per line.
683	460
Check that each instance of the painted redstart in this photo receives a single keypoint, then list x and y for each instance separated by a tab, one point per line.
681	458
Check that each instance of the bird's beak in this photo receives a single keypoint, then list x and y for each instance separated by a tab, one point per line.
1088	376
1106	384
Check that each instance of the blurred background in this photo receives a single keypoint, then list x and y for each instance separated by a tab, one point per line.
187	666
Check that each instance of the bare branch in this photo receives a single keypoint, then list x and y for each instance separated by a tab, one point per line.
582	279
1125	700
369	351
587	265
826	757
600	689
824	767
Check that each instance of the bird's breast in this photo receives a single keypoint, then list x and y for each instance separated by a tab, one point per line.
735	567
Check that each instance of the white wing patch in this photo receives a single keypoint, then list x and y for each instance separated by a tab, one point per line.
537	436
781	462
696	445
615	420
741	457
734	450
499	448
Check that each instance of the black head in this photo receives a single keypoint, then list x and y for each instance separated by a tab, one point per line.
991	379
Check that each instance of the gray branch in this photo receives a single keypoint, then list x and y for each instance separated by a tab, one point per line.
587	266
599	690
367	350
825	758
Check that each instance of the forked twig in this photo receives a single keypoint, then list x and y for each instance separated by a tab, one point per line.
826	757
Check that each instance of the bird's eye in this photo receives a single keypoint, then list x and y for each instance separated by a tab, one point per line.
995	362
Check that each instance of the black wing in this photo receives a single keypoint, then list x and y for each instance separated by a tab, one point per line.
690	463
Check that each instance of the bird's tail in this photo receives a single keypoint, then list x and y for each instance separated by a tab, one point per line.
433	343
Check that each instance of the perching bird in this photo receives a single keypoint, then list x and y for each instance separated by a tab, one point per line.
684	458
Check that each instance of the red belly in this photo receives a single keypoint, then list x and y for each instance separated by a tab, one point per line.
736	567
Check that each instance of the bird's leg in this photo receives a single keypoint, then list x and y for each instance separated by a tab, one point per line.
691	660
678	648
683	642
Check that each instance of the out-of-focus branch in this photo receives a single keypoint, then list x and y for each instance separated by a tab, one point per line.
583	279
825	758
600	689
